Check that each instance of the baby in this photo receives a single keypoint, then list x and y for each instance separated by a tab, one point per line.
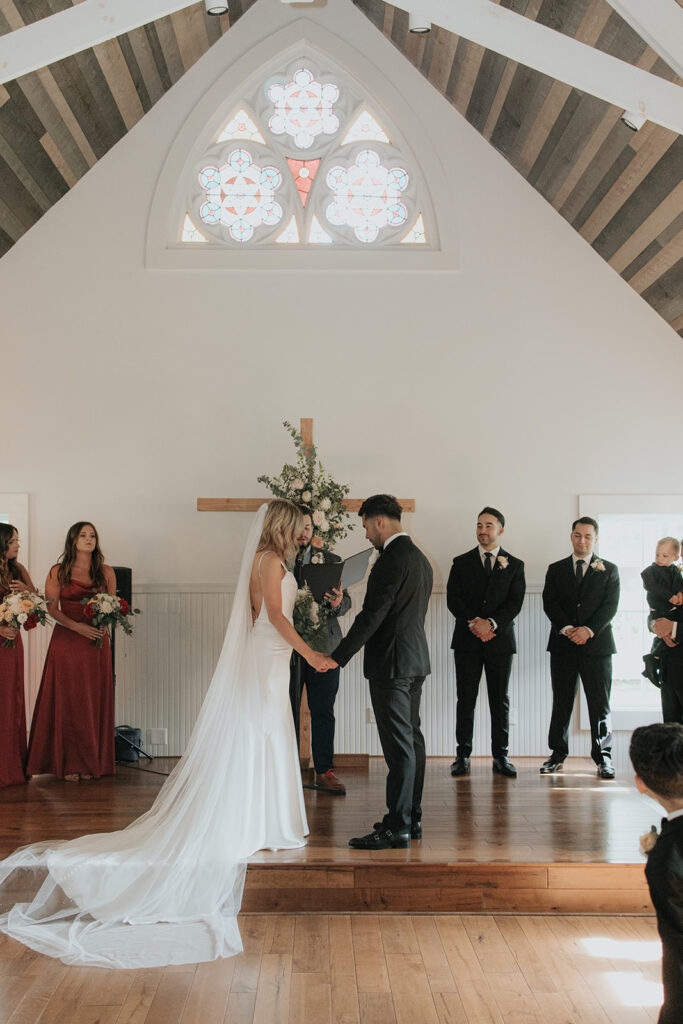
664	587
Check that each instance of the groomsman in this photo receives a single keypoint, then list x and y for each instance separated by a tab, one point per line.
485	592
580	597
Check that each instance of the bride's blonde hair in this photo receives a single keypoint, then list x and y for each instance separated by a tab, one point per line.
281	528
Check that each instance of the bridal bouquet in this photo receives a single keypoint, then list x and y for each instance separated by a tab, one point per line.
22	608
310	619
307	483
106	610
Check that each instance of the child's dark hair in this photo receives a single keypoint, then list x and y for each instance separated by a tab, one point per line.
657	757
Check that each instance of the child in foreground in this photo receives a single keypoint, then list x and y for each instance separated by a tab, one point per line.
663	584
657	757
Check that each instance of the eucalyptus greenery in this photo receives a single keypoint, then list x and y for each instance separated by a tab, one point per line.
308	483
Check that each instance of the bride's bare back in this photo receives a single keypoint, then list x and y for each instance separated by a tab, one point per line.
266	570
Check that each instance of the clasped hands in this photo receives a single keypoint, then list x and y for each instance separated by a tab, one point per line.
662	628
482	629
578	635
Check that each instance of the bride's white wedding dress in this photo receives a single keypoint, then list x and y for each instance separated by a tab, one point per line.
167	889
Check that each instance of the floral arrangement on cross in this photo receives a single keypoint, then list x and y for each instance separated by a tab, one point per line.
308	483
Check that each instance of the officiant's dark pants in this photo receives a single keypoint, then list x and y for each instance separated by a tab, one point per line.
321	693
596	676
396	704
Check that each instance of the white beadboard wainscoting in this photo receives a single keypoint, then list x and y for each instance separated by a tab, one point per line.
163	671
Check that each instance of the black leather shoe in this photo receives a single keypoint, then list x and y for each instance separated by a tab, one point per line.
652	670
605	770
461	766
381	840
415	829
503	766
551	765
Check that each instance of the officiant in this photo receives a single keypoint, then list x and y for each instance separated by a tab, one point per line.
321	687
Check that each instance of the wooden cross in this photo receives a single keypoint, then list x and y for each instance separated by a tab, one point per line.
252	505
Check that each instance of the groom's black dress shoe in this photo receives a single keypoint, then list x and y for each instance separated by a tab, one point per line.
415	829
461	766
553	764
503	766
383	839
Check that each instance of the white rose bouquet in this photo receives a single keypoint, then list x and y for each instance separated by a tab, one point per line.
104	610
310	619
22	608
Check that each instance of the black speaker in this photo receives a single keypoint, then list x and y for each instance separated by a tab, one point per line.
124	583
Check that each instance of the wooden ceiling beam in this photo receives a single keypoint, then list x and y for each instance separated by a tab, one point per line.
659	23
60	35
561	57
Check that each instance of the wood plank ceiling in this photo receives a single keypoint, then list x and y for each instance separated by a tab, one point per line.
621	190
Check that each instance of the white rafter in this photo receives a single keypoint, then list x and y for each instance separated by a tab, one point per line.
77	28
557	55
659	23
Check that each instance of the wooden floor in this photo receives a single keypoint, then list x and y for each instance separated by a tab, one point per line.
366	970
560	844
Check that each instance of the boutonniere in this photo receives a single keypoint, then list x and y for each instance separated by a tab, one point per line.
648	840
502	561
317	558
598	565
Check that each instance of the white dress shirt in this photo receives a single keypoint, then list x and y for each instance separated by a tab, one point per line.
586	562
388	541
494	555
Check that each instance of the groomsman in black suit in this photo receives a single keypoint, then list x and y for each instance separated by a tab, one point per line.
580	597
485	592
657	756
670	630
396	660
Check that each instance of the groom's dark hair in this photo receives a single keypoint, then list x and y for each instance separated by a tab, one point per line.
305	511
657	757
381	505
490	511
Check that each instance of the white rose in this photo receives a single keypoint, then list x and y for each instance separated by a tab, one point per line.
297	484
324	525
318	517
306	496
325	504
21	618
313	614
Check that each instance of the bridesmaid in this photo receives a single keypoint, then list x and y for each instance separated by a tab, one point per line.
13	577
72	733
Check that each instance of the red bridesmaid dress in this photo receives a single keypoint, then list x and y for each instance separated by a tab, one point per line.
72	732
12	712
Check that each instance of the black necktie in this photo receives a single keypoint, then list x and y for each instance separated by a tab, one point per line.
579	571
488	568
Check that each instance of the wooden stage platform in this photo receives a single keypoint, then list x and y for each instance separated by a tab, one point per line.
536	844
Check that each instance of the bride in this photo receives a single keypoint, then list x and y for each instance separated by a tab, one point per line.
167	889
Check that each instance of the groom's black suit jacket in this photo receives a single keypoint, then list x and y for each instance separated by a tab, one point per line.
391	622
664	872
593	604
472	594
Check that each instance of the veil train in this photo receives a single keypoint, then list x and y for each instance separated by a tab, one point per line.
166	889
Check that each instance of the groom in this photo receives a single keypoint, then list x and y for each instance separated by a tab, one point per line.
396	660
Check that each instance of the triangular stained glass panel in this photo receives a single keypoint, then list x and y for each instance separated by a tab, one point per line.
304	172
365	129
317	234
417	234
291	233
241	127
190	233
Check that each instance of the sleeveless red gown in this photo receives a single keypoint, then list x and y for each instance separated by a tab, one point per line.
73	722
12	712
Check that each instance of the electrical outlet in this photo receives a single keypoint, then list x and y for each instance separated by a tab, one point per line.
157	737
370	717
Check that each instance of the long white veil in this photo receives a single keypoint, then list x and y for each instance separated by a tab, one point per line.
166	889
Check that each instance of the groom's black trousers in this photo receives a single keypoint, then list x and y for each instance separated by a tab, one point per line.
396	705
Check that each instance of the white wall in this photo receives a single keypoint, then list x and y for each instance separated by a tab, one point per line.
517	381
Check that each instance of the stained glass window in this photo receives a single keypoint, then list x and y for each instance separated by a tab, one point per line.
241	127
304	159
367	195
190	233
240	195
365	129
